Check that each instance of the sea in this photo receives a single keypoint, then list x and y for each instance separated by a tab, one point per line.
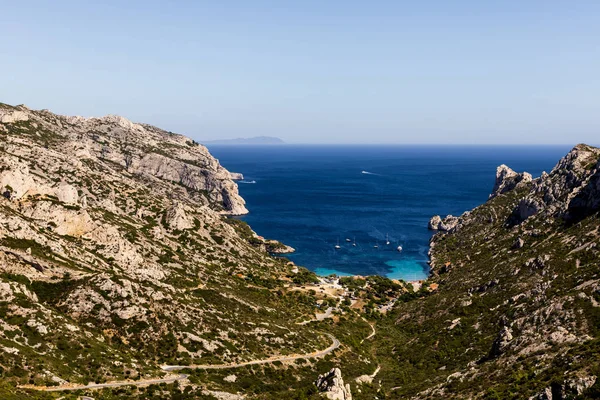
367	199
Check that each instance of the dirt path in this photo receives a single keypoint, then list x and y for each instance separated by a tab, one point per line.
334	345
141	382
321	353
372	330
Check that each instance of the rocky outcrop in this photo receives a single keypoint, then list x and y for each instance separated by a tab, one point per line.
571	388
332	385
177	218
12	116
507	179
571	190
445	225
587	201
526	208
502	341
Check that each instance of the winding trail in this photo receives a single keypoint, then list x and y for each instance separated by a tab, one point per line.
372	330
335	343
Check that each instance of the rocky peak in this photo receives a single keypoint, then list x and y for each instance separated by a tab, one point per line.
570	191
507	179
581	158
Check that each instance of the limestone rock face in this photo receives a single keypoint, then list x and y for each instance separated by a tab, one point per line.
507	179
526	208
518	244
332	385
8	117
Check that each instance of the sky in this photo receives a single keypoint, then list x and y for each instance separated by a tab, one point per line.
443	72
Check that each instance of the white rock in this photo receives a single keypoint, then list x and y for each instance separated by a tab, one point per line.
332	385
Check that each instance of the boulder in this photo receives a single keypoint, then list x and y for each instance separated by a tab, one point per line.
16	182
518	244
67	193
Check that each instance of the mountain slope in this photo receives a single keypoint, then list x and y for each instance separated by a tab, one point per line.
517	310
115	257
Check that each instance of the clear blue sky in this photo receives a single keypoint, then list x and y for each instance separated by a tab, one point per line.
315	71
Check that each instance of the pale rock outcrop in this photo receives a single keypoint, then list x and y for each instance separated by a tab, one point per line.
507	179
8	290
38	326
236	176
587	201
9	117
444	225
332	385
17	180
67	193
367	379
177	218
64	221
114	246
570	191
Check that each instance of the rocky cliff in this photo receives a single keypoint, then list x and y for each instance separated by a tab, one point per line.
138	149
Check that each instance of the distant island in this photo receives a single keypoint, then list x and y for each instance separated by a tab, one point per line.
258	140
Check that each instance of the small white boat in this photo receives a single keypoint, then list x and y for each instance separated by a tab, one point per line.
387	239
376	246
354	244
337	246
399	248
348	240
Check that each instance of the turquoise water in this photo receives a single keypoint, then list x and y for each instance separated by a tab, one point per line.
311	197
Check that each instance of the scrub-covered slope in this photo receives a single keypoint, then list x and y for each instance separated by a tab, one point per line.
115	256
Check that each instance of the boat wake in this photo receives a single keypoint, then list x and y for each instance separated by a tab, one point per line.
369	173
246	181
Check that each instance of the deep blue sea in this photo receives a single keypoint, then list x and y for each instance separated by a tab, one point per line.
311	197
